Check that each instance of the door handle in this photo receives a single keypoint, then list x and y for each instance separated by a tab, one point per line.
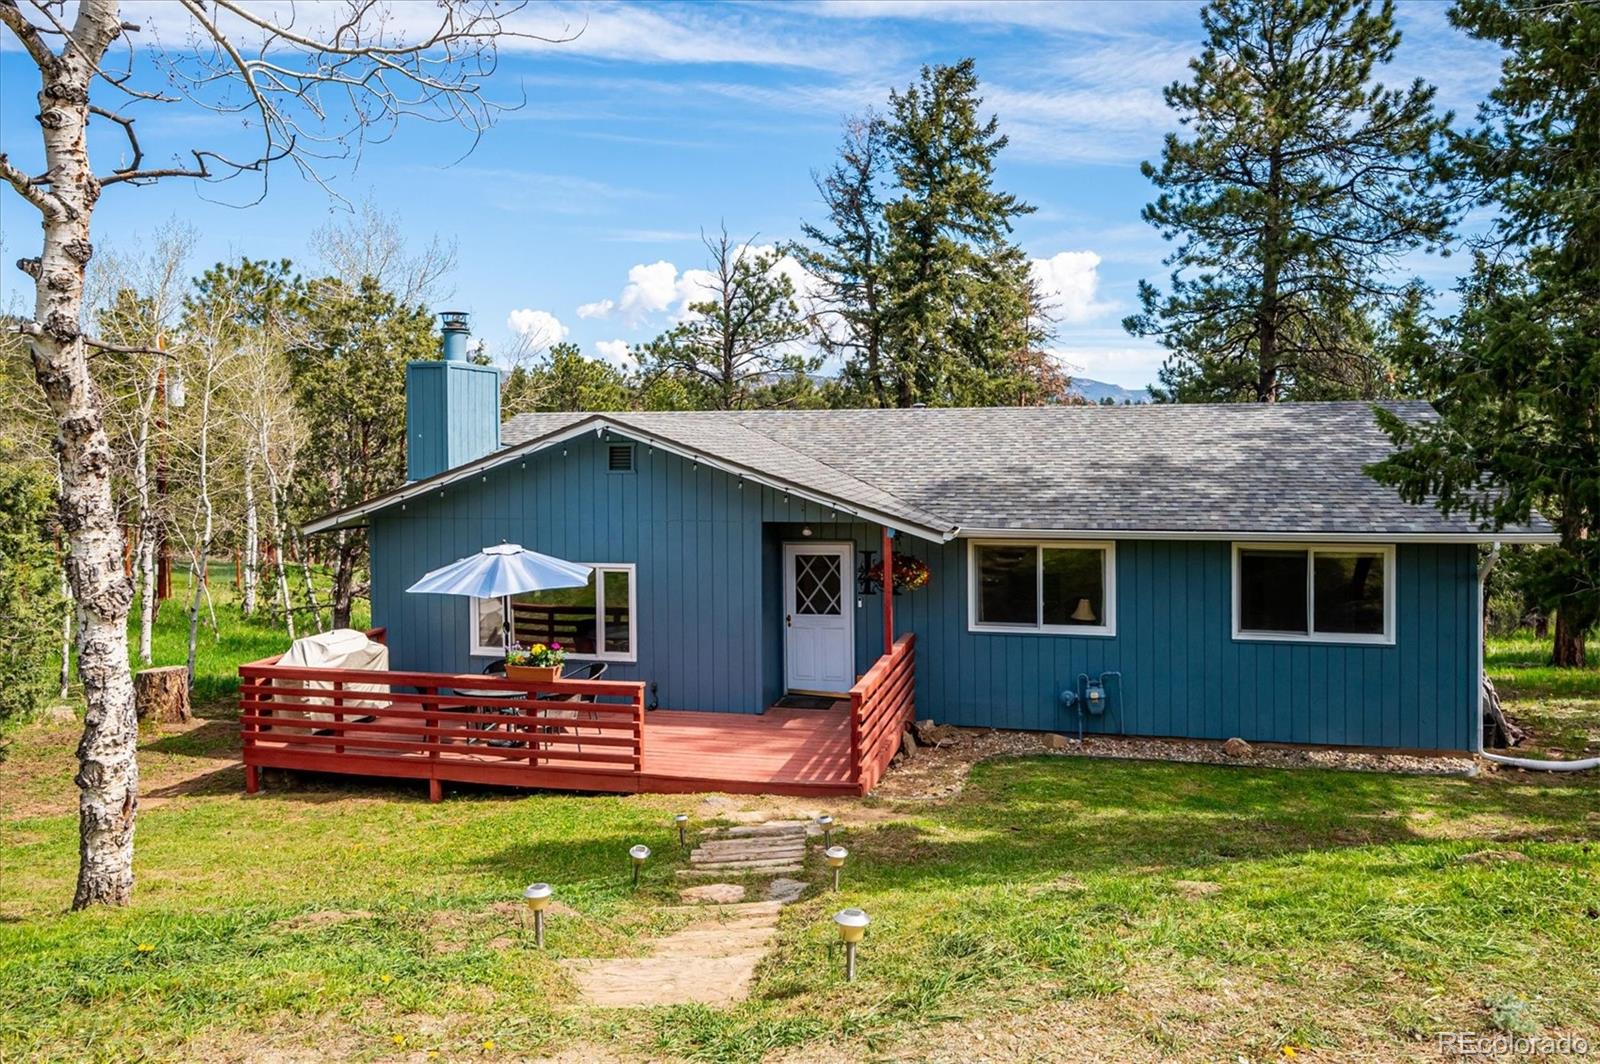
788	620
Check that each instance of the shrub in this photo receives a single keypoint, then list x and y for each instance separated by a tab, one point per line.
30	591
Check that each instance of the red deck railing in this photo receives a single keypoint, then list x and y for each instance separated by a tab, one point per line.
469	728
882	703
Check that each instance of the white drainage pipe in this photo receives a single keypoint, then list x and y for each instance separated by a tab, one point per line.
1544	766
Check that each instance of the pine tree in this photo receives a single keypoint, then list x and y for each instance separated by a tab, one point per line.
1518	370
957	298
1299	184
747	332
847	259
565	379
349	371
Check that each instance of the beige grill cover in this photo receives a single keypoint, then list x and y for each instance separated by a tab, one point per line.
342	648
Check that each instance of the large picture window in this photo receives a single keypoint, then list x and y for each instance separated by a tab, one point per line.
594	623
1064	587
1329	594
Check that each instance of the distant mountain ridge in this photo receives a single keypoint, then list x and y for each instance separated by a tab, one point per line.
1099	391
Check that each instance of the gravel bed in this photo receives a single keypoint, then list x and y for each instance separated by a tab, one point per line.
940	772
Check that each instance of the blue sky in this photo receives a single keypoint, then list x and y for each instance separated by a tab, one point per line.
659	121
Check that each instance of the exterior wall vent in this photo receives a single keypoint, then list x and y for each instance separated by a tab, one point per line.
619	458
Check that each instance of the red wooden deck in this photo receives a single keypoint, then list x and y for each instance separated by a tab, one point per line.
491	730
782	751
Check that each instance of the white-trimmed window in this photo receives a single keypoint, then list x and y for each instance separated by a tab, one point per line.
597	622
1057	586
1322	593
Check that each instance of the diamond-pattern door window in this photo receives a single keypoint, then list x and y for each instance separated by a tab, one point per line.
817	580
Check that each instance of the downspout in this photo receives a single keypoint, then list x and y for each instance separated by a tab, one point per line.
1477	741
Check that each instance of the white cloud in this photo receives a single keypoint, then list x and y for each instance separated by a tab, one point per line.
659	289
537	325
618	354
1068	282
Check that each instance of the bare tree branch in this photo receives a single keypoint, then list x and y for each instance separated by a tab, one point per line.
31	189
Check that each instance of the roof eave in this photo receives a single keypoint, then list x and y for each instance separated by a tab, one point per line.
1247	536
599	423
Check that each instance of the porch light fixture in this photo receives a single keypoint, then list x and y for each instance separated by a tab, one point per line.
537	898
806	531
682	820
640	854
825	822
835	856
852	925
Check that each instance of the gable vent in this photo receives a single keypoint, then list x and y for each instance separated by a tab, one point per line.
619	458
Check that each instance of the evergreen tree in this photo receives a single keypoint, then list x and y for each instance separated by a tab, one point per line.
746	333
847	260
565	379
349	373
1300	183
957	298
30	588
1518	372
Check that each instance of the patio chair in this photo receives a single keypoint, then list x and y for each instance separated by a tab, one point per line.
590	671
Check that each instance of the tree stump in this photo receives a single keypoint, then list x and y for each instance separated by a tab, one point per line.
162	695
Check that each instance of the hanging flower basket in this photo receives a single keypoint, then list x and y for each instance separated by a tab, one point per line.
910	574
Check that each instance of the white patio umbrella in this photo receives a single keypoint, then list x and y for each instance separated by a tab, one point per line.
500	572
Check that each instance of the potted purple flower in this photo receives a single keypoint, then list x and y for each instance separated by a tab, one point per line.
540	663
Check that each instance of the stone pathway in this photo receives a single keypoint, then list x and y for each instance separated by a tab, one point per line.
709	962
712	960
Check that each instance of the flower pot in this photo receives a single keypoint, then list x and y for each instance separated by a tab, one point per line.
534	673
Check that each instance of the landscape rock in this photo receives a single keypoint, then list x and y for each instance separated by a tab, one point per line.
785	890
58	715
1053	741
1236	747
713	893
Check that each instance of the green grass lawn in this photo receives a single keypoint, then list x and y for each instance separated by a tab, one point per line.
1560	706
1177	911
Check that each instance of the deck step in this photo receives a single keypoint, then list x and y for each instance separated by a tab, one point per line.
772	827
722	870
797	846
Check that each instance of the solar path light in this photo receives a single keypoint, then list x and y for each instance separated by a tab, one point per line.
852	929
836	856
537	897
825	822
640	854
682	820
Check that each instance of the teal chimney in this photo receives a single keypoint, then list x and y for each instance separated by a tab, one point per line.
452	406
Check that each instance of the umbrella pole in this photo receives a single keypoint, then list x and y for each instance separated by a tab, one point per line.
505	624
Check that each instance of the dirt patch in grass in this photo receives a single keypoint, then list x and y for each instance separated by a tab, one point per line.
1176	1011
318	920
200	757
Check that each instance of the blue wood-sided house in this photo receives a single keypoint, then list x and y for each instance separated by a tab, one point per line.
1232	565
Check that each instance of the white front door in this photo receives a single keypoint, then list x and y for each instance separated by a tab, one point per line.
818	623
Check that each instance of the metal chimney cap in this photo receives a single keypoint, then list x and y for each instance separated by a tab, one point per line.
454	320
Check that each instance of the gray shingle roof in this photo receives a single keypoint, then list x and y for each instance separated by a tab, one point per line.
1290	468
